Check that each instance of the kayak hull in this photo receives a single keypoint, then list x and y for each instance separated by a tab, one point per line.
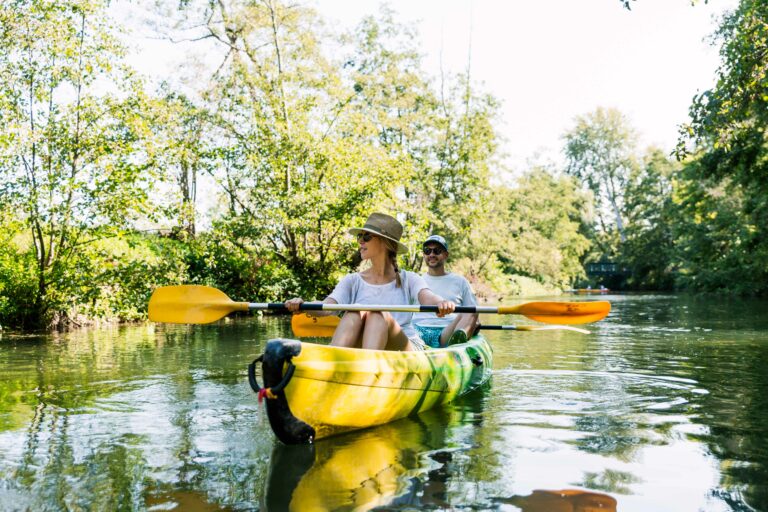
324	390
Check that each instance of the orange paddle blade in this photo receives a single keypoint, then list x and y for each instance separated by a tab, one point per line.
305	326
561	312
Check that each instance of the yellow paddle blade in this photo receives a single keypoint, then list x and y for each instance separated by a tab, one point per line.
305	326
191	304
561	312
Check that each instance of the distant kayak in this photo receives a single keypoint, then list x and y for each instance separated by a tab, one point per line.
588	290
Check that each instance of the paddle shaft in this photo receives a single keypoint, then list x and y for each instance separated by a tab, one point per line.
415	308
304	326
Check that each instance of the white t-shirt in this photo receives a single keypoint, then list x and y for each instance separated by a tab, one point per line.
352	289
451	287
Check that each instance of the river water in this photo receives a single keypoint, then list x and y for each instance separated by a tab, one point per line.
664	406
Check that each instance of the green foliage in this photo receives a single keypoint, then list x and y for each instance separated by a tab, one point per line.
491	283
179	152
304	132
529	232
717	239
293	137
544	222
310	134
67	159
17	277
732	116
725	188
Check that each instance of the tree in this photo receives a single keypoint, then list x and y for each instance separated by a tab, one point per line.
715	237
600	152
455	189
67	161
649	250
445	139
544	223
177	150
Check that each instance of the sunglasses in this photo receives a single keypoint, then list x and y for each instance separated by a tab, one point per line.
365	237
437	251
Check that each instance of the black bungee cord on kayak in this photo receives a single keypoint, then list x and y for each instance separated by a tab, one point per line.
268	392
277	370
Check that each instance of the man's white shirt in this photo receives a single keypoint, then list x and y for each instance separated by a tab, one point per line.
451	287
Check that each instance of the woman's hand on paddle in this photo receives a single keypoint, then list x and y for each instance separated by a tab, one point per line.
445	307
293	305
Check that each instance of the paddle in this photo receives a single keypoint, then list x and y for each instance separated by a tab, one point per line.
195	304
305	326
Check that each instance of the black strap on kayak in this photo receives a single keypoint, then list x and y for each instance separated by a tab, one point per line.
252	374
271	392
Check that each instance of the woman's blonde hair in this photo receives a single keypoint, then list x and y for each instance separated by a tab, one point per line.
391	246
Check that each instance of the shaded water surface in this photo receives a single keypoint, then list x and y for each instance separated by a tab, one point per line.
663	407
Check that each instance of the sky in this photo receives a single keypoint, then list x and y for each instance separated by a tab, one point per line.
549	61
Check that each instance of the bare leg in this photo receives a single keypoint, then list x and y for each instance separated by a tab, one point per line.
467	322
382	332
349	330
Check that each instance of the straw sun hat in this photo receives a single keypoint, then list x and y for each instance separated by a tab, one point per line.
385	226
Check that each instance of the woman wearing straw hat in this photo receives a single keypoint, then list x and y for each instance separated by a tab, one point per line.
381	283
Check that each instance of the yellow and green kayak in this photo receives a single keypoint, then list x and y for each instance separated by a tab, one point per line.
314	391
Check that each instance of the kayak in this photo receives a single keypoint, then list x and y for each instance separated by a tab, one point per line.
589	290
314	391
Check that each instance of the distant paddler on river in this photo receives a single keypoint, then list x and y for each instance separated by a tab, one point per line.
381	283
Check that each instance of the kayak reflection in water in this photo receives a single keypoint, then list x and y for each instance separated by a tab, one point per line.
381	283
378	467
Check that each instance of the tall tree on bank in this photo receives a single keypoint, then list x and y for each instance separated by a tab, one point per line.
600	152
178	151
67	161
294	133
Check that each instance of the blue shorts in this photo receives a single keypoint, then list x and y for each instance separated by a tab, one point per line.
430	334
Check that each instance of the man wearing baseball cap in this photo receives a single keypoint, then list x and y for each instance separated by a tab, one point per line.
453	328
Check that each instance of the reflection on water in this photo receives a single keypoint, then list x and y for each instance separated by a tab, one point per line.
387	465
408	463
663	407
567	500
